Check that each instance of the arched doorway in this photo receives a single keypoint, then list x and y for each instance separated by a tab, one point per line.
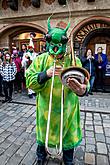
99	37
92	33
19	33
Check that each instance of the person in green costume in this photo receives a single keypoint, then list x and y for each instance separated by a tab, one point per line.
39	78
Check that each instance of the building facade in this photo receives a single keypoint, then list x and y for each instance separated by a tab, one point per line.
89	19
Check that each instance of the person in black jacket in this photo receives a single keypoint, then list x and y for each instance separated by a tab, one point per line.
101	61
89	63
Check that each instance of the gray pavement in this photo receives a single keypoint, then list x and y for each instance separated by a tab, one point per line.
17	131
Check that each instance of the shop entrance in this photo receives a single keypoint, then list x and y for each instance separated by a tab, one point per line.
18	33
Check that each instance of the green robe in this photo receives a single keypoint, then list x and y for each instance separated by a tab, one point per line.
72	133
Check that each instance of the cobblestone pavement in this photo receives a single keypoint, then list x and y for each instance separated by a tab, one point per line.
17	132
99	102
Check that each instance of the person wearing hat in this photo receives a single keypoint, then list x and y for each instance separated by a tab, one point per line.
28	57
39	78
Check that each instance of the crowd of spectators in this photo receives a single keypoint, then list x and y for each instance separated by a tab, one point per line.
13	66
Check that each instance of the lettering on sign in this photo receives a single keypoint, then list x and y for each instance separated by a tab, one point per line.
83	32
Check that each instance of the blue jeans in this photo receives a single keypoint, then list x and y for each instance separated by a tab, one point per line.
67	155
92	79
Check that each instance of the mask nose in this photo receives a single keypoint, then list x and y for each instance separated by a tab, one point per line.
55	49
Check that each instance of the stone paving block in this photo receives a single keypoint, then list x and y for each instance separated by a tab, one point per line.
34	147
24	136
89	122
34	122
5	134
2	117
98	122
23	150
3	159
34	115
1	130
100	137
102	160
51	161
82	113
97	116
89	117
101	148
89	134
11	150
12	121
19	131
20	114
105	116
26	115
108	140
31	119
107	131
22	119
26	124
20	140
12	128
98	129
106	121
83	141
106	125
89	127
1	139
79	153
30	128
11	138
1	123
14	160
89	159
2	151
108	147
77	162
31	112
18	123
5	144
88	114
29	159
90	140
90	148
6	125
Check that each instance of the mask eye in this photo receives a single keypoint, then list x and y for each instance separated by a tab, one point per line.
51	43
60	44
48	37
64	39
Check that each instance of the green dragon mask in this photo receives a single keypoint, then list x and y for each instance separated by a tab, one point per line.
56	39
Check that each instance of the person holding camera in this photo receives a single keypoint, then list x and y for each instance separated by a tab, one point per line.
89	63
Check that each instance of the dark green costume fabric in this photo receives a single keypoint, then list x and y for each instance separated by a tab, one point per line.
72	133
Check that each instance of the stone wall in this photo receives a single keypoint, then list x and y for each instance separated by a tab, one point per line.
45	9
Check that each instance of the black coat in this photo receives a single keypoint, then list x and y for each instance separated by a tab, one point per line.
90	65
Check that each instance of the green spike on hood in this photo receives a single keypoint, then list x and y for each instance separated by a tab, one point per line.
67	27
48	24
